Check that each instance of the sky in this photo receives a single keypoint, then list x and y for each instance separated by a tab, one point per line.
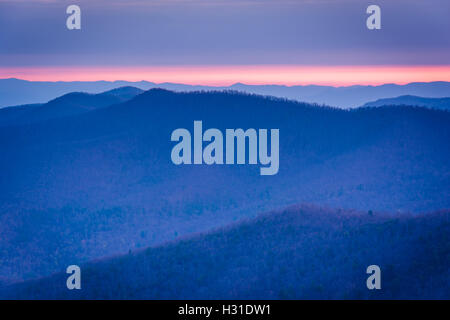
218	42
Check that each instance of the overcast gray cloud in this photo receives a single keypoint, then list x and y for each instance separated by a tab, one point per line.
160	32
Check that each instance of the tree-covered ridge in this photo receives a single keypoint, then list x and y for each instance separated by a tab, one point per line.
302	252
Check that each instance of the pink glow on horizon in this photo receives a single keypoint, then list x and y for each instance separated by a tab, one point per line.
227	75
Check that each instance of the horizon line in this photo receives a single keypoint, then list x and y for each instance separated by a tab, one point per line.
228	75
226	86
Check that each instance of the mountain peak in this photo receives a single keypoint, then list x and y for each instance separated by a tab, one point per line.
412	100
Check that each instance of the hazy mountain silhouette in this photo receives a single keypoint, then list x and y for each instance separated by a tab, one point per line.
16	92
350	96
298	253
66	105
101	182
436	103
123	93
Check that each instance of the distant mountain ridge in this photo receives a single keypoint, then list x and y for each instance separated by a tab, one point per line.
408	100
19	92
101	182
67	105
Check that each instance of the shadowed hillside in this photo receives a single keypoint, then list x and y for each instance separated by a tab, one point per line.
78	188
299	253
